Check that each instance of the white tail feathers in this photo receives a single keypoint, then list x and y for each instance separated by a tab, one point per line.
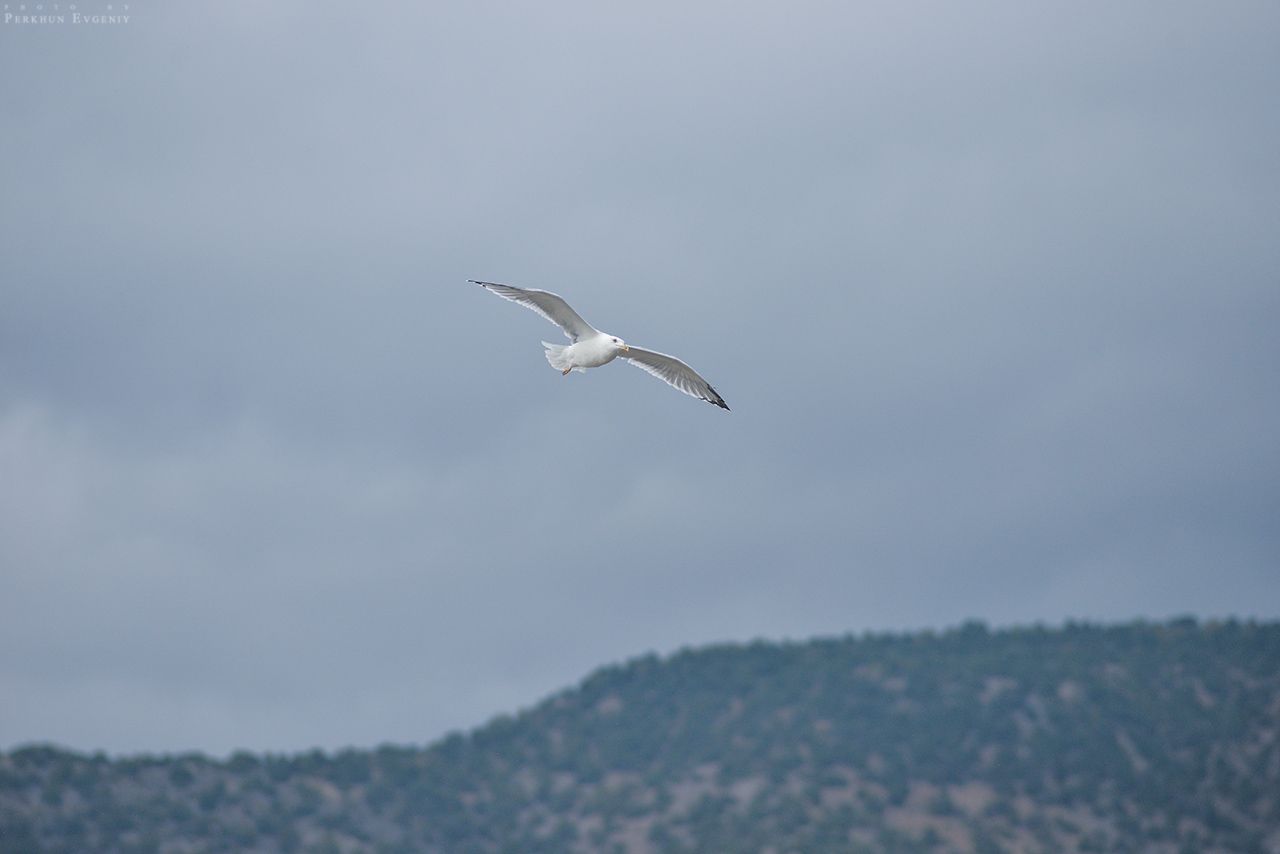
555	355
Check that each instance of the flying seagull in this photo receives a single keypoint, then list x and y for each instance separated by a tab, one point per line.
591	348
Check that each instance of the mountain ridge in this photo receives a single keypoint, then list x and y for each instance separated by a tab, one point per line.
1140	736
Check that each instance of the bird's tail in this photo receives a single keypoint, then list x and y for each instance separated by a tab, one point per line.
555	355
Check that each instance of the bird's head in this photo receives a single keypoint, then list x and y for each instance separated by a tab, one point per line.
619	344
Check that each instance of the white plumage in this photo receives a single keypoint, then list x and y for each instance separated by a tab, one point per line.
591	348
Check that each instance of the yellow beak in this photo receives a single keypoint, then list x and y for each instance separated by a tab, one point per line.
626	349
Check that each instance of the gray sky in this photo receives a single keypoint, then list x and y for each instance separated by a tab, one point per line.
992	290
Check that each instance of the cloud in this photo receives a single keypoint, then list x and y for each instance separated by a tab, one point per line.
990	293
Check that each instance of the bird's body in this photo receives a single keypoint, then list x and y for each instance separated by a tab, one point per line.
591	348
600	349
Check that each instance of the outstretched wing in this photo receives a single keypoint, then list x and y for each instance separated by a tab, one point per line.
545	303
675	372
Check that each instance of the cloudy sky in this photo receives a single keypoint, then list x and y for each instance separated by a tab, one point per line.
992	290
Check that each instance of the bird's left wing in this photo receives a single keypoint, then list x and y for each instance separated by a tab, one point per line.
549	305
675	372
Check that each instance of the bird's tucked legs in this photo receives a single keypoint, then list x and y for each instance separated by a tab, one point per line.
565	372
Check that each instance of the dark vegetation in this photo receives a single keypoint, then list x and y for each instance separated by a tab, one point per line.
1131	738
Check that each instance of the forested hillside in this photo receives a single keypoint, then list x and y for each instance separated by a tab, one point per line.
1138	737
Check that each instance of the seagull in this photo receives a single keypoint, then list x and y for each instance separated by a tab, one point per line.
591	348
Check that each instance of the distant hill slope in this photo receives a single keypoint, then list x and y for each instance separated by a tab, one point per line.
1137	737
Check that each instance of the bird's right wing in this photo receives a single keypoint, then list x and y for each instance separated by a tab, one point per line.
549	305
676	373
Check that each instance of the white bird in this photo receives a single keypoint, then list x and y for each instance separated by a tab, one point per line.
591	348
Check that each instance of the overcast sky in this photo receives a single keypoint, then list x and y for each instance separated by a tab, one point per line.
992	289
